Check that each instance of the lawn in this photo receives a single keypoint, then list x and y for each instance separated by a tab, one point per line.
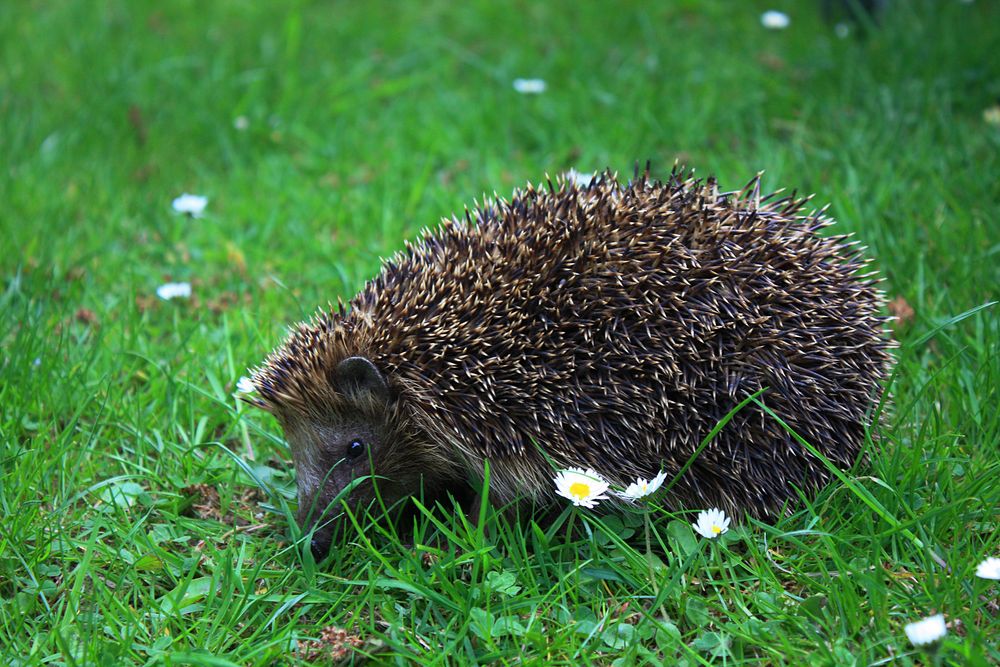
146	513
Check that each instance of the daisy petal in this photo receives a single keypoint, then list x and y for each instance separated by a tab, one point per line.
927	630
775	20
642	487
989	569
529	86
245	385
169	291
193	205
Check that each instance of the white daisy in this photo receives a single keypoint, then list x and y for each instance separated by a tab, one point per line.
711	523
170	291
529	86
641	488
989	569
927	630
775	20
245	385
193	205
583	487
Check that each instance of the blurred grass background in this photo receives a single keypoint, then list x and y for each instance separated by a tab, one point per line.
326	134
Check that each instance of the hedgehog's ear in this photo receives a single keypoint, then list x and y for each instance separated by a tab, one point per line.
357	375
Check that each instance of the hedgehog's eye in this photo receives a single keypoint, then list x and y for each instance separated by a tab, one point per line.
355	449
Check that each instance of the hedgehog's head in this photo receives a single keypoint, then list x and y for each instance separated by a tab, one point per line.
350	441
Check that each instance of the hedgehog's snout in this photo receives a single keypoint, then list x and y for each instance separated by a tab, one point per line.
319	545
334	458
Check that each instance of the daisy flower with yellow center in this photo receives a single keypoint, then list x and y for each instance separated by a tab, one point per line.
641	488
711	523
584	487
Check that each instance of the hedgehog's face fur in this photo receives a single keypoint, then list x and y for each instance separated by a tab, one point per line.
346	446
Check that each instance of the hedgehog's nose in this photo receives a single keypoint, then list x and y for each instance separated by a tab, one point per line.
319	548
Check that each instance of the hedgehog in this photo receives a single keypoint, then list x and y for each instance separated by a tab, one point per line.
607	325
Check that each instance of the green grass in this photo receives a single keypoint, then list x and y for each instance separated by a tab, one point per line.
367	123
